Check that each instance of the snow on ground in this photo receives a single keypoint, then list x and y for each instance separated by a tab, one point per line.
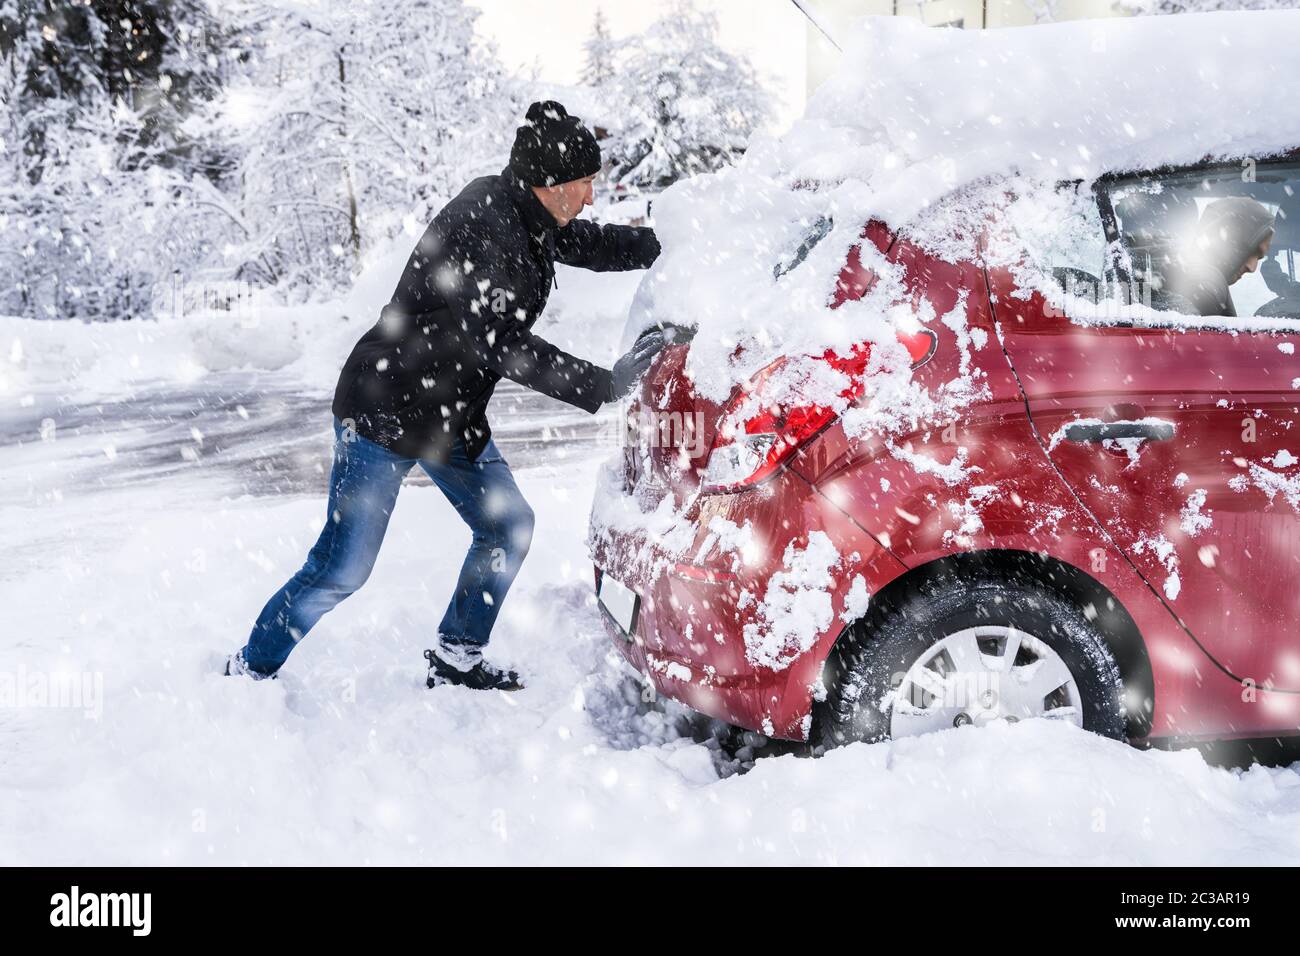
143	578
349	759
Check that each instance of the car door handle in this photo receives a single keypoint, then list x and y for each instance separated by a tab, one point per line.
1149	429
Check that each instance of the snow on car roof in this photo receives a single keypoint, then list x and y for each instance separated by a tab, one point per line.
915	114
1067	100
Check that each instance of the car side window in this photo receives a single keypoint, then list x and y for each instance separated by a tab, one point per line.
1219	241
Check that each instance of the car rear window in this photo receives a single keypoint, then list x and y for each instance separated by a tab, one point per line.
820	228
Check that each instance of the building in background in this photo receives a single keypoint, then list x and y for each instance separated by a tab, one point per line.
836	15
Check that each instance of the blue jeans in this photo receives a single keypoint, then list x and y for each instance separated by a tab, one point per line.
364	483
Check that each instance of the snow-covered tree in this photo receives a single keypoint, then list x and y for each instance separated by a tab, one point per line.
691	104
600	50
91	99
156	57
140	139
349	118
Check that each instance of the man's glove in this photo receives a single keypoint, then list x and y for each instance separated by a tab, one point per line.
632	366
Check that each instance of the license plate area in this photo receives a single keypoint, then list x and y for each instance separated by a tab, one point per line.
621	603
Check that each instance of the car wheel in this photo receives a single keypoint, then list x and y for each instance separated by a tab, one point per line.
955	652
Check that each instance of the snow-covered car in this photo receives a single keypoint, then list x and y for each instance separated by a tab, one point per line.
1020	447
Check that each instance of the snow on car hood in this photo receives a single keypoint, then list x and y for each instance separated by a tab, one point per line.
916	114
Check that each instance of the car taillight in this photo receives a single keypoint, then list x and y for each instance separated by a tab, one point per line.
757	436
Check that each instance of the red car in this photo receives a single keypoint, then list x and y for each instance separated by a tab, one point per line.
1118	549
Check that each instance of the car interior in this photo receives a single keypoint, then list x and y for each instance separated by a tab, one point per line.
1158	219
1158	222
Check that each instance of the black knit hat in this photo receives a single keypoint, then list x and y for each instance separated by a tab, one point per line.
553	147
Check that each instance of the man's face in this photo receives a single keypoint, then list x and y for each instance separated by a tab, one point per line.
566	200
1251	264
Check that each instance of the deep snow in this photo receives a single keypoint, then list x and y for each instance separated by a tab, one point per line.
349	759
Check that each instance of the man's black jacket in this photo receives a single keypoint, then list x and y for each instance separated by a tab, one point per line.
461	320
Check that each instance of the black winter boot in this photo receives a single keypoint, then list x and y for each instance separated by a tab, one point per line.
457	662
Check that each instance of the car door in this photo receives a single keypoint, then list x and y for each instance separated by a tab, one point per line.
1179	435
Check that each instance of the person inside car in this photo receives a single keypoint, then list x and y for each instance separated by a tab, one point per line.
1232	237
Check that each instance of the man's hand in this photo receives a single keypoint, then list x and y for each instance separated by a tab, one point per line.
632	366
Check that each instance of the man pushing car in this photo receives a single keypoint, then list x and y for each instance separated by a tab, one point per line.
416	387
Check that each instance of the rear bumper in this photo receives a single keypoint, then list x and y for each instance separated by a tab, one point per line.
741	596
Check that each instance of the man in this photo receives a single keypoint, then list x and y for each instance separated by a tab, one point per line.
1233	235
416	387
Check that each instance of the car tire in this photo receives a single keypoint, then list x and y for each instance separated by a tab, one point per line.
872	687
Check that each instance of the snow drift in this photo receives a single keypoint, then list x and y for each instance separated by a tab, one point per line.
347	759
304	343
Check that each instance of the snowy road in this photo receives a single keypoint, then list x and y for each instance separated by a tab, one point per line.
251	433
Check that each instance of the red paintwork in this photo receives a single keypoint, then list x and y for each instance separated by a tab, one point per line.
1232	618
